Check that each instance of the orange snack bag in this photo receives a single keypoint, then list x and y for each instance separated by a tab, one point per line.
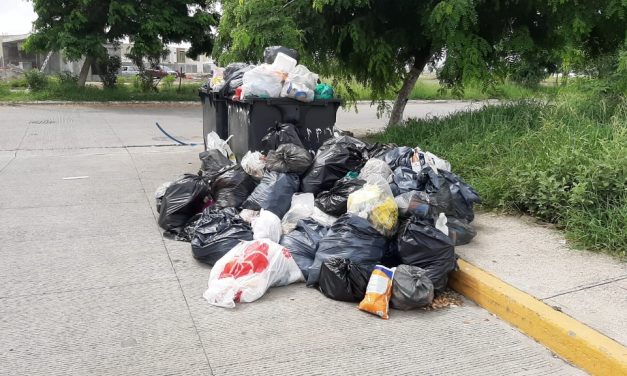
378	292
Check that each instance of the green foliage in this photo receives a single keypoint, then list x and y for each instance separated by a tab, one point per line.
375	43
81	27
37	80
67	79
562	161
168	81
109	67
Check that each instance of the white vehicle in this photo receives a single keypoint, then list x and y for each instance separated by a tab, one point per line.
129	70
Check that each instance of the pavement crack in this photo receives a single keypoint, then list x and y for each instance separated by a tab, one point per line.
586	287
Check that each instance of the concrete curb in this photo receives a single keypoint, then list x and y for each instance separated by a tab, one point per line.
567	337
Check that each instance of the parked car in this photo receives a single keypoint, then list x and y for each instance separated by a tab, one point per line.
129	70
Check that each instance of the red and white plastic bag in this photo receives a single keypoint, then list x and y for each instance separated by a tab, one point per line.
248	270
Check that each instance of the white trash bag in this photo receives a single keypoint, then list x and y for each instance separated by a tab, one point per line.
302	207
300	84
263	81
375	167
425	158
254	163
267	226
215	142
248	270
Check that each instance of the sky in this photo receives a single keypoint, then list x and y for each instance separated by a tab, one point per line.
16	16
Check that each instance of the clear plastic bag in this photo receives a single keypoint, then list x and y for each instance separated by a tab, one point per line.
254	164
375	203
300	84
217	79
302	207
248	270
267	226
425	158
263	81
215	142
375	167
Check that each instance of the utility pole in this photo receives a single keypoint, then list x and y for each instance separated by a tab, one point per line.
4	72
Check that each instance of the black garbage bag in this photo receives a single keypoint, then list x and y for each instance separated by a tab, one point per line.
334	201
421	244
351	237
274	193
391	258
398	157
289	158
377	150
269	53
186	234
411	288
454	196
463	197
232	186
217	232
341	279
303	242
184	198
333	160
234	78
213	161
281	133
460	230
403	180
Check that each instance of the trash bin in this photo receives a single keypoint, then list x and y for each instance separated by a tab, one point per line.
249	120
213	114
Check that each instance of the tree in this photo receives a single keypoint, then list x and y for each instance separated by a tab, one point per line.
386	44
82	27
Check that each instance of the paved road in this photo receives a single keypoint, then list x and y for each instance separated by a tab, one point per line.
89	286
365	120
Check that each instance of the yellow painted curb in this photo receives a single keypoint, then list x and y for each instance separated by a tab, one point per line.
567	337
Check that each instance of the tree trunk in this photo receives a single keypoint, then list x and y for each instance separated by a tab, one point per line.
409	81
82	78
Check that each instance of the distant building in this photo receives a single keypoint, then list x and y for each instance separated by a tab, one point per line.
12	53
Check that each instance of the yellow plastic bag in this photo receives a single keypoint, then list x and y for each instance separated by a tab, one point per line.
384	216
378	292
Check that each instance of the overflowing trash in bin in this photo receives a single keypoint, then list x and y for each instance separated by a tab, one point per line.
374	224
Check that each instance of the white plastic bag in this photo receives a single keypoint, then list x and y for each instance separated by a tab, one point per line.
425	158
248	270
302	207
263	81
323	218
249	215
300	84
215	142
254	164
375	167
267	226
440	224
284	63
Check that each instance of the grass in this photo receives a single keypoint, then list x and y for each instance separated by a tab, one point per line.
428	88
15	91
563	161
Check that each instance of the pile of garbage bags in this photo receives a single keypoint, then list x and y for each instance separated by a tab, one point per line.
279	76
370	223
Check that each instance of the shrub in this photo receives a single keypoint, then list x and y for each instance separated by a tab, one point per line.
109	68
168	81
67	79
37	80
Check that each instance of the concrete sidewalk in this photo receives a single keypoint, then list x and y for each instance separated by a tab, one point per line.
89	286
536	259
